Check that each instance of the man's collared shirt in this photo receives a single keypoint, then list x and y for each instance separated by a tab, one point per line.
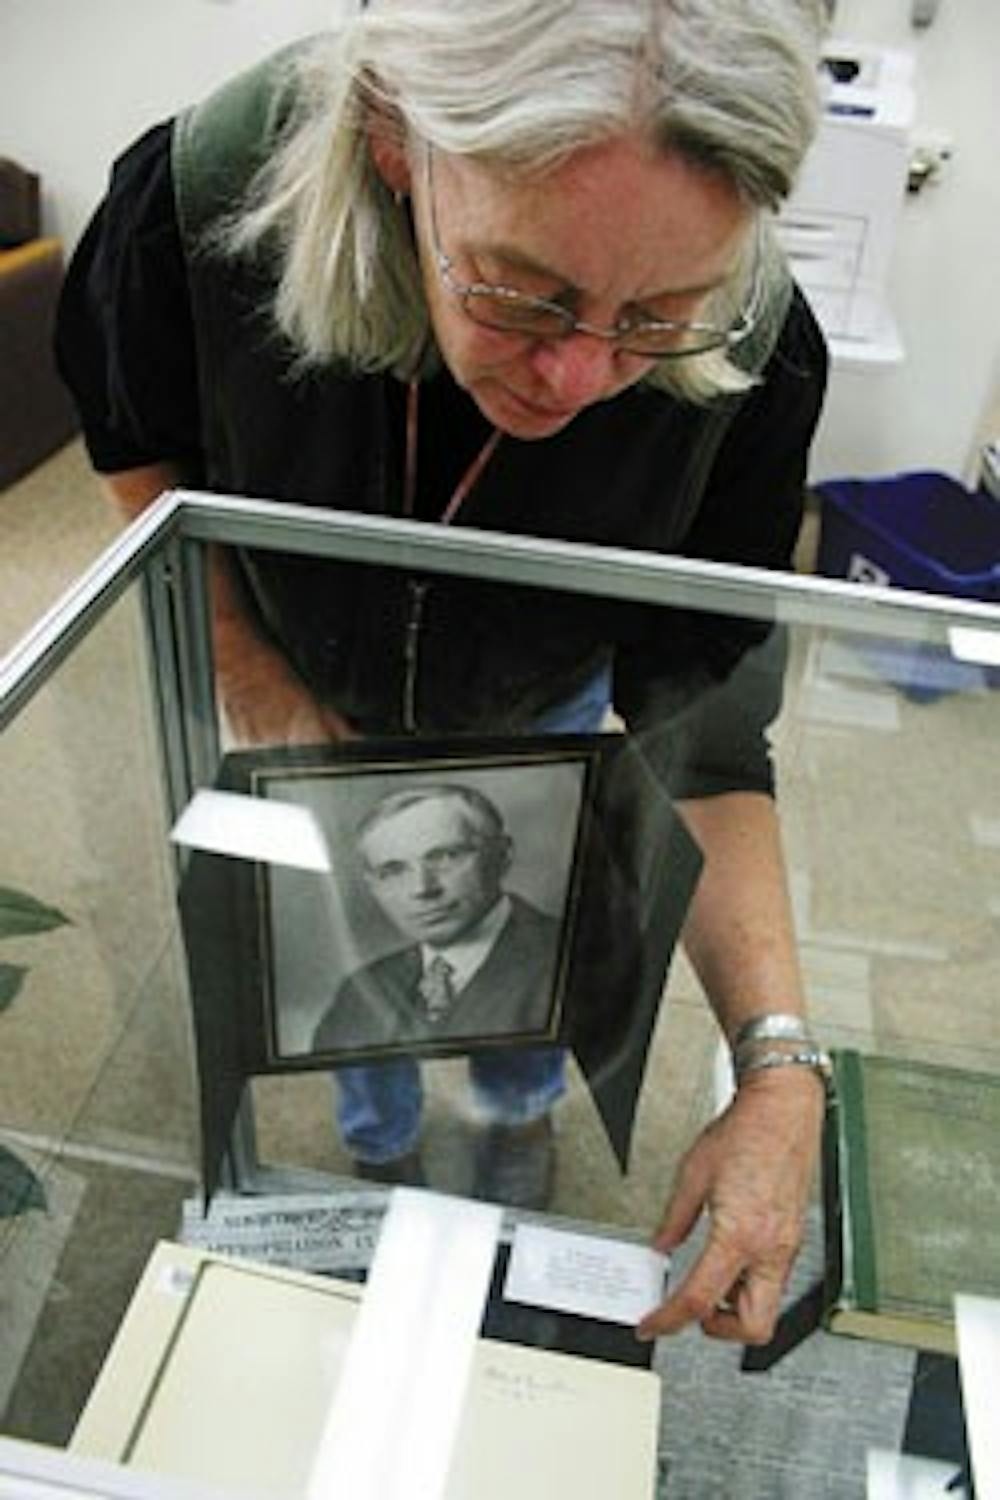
467	955
470	953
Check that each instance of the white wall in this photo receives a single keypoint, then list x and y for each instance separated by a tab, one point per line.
80	78
935	409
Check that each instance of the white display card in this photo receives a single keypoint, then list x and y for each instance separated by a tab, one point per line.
613	1280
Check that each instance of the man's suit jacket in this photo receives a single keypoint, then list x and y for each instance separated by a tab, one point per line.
510	994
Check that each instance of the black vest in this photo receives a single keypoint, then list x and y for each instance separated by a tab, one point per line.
627	473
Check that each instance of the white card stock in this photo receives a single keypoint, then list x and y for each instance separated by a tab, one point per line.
980	646
978	1322
394	1420
585	1274
901	1476
278	833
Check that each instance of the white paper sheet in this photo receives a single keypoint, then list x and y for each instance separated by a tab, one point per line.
978	1322
396	1412
901	1476
980	646
578	1273
278	833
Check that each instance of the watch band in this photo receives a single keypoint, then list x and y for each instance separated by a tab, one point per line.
774	1026
812	1057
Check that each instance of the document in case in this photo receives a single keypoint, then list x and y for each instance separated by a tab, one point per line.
223	1375
584	1274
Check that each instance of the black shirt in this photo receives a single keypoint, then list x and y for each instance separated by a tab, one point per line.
127	344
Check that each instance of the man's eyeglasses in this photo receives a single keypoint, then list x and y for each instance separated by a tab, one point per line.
436	863
509	311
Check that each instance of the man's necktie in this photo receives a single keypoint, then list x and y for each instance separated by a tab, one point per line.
436	988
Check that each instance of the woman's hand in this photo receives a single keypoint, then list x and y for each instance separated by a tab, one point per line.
751	1169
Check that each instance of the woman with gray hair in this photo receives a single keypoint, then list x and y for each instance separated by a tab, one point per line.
507	265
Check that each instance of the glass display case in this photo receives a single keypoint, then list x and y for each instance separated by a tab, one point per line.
184	911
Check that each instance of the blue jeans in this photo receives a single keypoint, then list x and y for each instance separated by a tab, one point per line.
379	1108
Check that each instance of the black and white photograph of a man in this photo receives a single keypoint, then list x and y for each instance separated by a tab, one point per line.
448	916
478	959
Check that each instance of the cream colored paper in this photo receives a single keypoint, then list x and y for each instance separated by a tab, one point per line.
229	1386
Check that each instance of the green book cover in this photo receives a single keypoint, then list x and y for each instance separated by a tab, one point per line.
912	1194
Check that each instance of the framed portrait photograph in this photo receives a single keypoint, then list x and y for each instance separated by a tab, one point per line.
446	918
461	896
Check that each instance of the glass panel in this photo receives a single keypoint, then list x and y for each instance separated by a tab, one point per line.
882	754
883	749
889	795
96	1102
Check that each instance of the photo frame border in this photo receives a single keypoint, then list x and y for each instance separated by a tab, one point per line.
418	760
638	879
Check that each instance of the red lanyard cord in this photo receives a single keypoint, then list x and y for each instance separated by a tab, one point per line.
468	480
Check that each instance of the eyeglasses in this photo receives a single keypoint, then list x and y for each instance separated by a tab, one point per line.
436	863
509	311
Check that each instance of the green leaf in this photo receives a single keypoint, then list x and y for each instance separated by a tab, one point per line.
11	978
20	1189
22	916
